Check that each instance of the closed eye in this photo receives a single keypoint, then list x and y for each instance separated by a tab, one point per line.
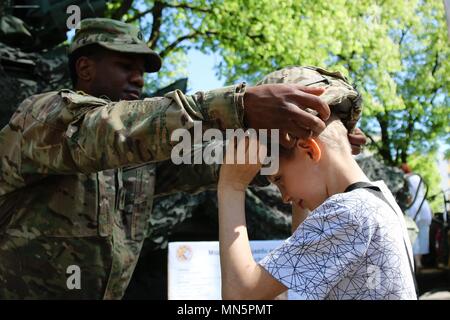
276	179
125	65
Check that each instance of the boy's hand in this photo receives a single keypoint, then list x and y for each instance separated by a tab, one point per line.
238	176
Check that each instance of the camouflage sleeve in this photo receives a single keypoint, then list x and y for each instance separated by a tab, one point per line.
69	132
194	178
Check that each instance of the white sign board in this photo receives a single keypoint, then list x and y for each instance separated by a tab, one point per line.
194	268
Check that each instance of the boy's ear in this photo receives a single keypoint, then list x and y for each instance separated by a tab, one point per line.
311	147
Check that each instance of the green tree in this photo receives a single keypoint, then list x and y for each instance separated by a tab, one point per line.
396	51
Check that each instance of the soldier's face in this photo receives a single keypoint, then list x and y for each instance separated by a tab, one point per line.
119	76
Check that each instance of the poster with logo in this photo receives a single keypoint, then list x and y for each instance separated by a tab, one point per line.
194	268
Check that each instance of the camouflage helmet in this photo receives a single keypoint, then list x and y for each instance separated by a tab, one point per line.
342	97
344	100
117	36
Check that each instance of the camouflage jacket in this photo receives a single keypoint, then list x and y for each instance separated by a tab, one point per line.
78	176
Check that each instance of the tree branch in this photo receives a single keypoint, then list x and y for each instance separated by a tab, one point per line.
123	9
373	141
173	45
383	121
139	15
435	93
350	69
402	37
397	152
436	88
223	36
186	6
436	64
157	12
347	60
167	5
192	35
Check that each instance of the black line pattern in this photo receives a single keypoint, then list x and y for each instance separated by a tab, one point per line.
350	247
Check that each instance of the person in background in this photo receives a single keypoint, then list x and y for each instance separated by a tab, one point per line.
420	211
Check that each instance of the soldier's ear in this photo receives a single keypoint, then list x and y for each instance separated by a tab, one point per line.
85	69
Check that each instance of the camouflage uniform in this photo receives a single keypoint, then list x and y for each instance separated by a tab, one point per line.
345	100
78	179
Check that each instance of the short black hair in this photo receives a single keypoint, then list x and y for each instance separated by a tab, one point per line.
93	51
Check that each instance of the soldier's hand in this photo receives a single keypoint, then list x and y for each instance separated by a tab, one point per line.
282	106
357	140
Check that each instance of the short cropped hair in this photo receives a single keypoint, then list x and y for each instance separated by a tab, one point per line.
334	136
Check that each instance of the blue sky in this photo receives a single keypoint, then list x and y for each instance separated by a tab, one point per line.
201	72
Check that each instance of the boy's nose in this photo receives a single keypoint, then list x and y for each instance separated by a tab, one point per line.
286	198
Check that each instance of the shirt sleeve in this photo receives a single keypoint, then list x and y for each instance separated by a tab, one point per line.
323	250
189	178
67	132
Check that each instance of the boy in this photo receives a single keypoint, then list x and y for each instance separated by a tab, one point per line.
351	245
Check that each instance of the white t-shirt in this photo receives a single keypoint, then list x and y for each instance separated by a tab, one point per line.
350	247
424	215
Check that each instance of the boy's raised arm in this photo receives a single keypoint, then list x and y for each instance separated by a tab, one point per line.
242	277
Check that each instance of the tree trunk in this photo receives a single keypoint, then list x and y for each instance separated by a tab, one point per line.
385	139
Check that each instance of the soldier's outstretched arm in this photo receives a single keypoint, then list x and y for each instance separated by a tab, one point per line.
69	132
66	132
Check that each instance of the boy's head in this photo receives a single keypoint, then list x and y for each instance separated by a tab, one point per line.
305	169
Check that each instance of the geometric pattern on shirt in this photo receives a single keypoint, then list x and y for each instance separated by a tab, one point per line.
350	247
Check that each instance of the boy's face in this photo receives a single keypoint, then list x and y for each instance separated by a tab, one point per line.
300	178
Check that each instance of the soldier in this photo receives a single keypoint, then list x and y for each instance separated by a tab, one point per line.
78	174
